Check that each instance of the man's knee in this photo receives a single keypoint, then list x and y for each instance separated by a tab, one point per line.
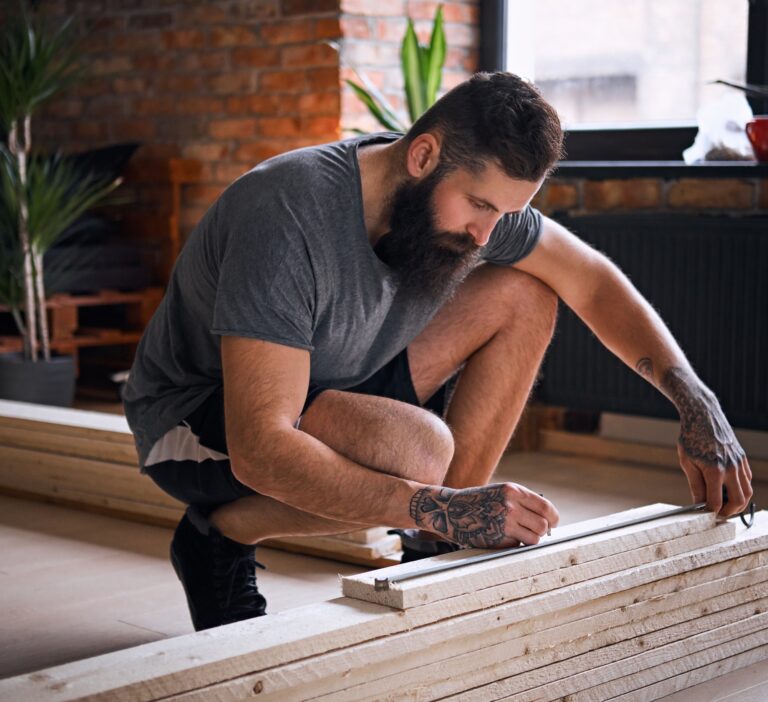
438	447
529	299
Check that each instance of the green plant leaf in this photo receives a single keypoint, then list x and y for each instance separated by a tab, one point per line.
435	57
411	66
374	107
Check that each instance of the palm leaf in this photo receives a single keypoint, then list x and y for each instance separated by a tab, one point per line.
373	106
435	57
411	65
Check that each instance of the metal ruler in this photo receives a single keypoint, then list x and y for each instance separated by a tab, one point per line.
384	583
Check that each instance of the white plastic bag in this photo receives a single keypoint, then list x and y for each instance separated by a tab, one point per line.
722	131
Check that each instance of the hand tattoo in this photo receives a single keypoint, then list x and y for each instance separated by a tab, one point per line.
471	517
705	433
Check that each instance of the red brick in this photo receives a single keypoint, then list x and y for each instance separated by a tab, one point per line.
203	15
284	81
633	194
200	105
202	193
231	83
391	29
262	104
327	127
292	32
154	63
280	126
561	196
122	86
329	28
320	79
319	103
205	152
255	9
178	83
462	35
133	129
184	39
156	20
104	66
422	10
312	55
103	106
374	8
227	172
232	36
355	27
208	60
65	108
233	128
700	193
255	152
154	106
255	57
307	7
461	13
89	131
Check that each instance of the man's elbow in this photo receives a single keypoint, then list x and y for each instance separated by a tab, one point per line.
258	465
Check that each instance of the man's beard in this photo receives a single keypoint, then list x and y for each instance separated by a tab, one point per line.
428	262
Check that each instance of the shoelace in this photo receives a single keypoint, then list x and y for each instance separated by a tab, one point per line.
240	595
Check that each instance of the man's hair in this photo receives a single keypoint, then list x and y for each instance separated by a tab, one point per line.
495	117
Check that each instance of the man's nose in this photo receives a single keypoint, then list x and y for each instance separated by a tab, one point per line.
481	231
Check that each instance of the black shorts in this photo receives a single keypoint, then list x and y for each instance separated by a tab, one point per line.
192	464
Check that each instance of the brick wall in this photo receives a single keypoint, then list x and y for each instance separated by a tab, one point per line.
233	82
573	196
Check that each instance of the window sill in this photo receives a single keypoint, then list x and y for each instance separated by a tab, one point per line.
601	170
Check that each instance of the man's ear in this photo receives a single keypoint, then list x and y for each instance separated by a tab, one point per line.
423	155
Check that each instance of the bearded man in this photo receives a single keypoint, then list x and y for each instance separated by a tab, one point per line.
350	334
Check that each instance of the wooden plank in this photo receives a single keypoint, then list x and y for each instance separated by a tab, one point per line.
570	443
636	682
365	536
206	659
699	675
68	445
604	664
445	658
379	549
554	566
631	673
309	549
99	425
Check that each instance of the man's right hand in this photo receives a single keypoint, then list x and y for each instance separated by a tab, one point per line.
500	515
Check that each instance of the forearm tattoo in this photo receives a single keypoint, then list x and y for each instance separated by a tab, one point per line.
645	368
471	517
705	433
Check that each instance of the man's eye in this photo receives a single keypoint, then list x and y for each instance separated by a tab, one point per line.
478	205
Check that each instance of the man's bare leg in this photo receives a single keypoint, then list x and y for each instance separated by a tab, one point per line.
382	434
498	324
501	324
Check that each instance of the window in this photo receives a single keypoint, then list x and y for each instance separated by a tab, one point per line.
628	61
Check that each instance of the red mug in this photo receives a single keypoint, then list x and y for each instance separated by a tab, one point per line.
757	131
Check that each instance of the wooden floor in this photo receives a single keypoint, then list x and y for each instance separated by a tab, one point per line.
73	584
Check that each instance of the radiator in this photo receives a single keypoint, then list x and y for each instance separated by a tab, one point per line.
707	276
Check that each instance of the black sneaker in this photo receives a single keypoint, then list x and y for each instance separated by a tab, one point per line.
415	548
218	574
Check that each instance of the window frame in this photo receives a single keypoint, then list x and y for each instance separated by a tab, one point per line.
629	142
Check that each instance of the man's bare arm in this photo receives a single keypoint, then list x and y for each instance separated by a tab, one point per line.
595	289
265	386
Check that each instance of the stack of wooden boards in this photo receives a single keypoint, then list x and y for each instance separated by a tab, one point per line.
88	460
633	614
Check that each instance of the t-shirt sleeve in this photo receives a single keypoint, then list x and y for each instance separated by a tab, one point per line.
266	287
514	237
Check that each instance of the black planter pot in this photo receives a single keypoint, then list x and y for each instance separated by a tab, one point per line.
44	382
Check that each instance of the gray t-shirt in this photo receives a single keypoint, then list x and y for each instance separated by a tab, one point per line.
283	255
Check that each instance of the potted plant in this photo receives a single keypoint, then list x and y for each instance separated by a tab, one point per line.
40	197
422	68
